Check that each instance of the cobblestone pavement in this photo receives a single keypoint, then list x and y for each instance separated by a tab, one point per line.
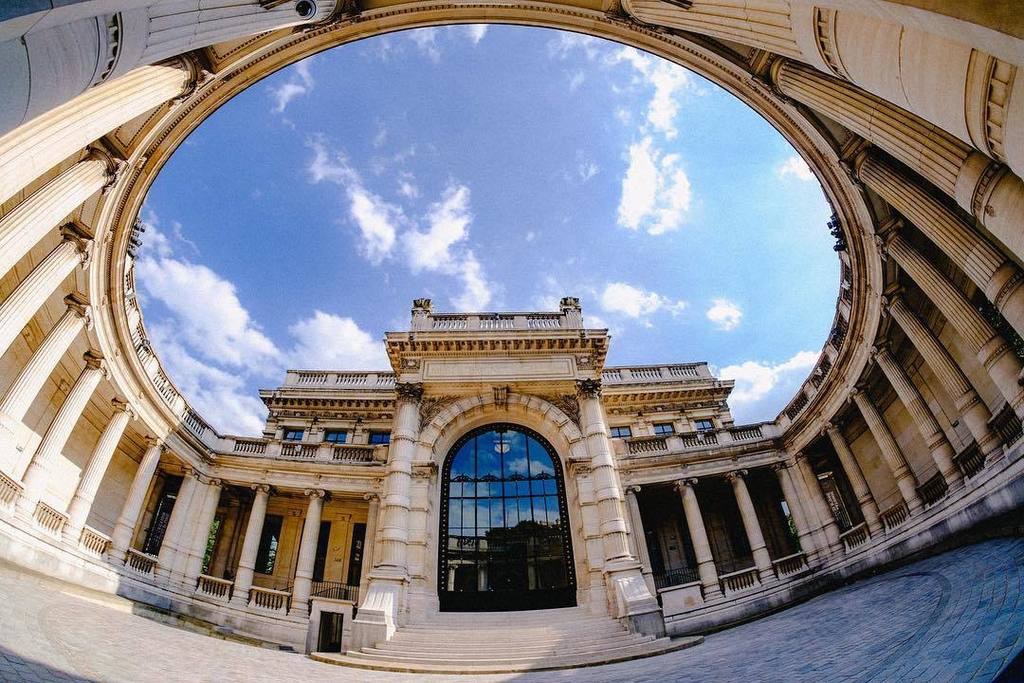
958	616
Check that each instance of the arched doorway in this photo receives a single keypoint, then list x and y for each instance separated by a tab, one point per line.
505	542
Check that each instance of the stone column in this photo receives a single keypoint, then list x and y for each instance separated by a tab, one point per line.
369	544
210	497
993	352
175	541
92	475
38	472
30	150
789	492
996	276
972	409
762	560
982	187
636	523
706	568
829	528
124	529
30	221
307	554
891	453
251	545
927	425
26	386
388	579
866	502
32	292
623	574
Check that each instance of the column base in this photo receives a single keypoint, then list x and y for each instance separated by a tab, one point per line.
633	601
379	612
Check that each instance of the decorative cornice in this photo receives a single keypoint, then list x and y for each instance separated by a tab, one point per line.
588	388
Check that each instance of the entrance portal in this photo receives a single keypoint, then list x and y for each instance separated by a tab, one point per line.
505	541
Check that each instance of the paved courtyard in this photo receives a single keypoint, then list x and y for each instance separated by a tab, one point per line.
958	616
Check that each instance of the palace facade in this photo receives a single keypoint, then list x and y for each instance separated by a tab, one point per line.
498	465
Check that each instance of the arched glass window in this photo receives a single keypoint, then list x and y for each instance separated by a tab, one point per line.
505	536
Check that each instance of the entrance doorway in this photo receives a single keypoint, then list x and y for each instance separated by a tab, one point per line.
505	542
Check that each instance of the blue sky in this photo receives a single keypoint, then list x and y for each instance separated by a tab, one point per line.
489	168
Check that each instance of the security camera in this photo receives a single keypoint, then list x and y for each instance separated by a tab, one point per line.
305	8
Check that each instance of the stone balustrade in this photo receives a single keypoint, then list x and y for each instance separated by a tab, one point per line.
9	491
741	580
212	587
94	542
382	381
50	520
699	441
643	374
895	515
487	322
269	599
854	536
346	454
141	562
790	564
970	461
933	490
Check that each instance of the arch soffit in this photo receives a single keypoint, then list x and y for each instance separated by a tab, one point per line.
252	60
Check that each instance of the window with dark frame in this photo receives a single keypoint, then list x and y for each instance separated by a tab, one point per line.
336	436
664	428
292	435
270	539
380	437
621	432
703	425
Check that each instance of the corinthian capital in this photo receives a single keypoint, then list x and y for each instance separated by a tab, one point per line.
409	391
588	388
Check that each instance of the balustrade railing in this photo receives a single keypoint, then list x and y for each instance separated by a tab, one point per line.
647	444
699	439
351	454
676	577
895	516
970	461
94	542
50	520
655	373
211	586
744	579
140	562
790	564
1007	425
10	490
933	490
334	590
854	536
269	599
299	451
249	446
746	433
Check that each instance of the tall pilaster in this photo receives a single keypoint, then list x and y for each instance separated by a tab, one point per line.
26	386
32	292
623	572
92	475
124	528
762	560
866	501
1000	280
38	472
636	525
210	491
706	568
796	508
30	221
906	482
993	352
934	438
176	540
829	528
251	544
370	542
307	553
972	409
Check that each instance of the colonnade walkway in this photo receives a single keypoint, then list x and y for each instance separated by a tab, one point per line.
955	616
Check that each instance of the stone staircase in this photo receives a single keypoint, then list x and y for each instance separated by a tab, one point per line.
502	642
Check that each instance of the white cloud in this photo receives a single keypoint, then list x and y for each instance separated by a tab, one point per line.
667	79
794	166
425	40
476	293
327	341
755	380
377	220
724	314
407	185
620	297
448	224
476	32
300	82
656	193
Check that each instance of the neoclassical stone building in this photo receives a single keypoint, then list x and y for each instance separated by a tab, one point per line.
499	464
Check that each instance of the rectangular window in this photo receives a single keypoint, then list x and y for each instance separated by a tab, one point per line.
703	425
664	428
292	434
380	437
335	436
269	540
621	432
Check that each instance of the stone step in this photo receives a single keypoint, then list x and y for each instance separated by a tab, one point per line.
490	635
499	652
387	661
520	616
510	644
564	622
